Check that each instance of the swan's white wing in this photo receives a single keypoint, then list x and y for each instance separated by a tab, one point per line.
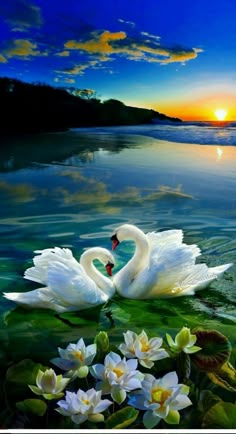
168	243
168	266
71	286
156	239
39	273
198	277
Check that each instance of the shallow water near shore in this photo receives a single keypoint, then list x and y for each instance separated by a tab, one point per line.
72	189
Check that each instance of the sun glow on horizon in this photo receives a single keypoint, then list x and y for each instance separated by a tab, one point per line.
221	114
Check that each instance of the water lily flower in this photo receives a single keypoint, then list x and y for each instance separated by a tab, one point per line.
184	341
82	406
49	384
161	398
145	350
117	376
76	358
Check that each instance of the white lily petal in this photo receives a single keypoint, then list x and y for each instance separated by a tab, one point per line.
132	364
170	379
146	363
79	418
39	378
162	411
180	402
112	357
133	384
102	406
150	419
129	337
156	342
125	351
98	371
192	340
61	384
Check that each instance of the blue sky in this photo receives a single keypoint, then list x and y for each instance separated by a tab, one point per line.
178	57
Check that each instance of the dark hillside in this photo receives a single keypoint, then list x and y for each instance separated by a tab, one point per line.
38	107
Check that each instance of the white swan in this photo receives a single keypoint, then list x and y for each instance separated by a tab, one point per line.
70	285
162	265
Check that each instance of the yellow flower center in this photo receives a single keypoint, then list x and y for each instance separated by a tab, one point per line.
118	372
78	355
144	347
160	396
85	401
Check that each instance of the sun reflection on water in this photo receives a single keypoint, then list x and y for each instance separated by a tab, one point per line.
219	152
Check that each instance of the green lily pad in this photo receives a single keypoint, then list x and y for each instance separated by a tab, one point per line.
35	406
225	377
216	350
206	400
221	415
122	418
20	375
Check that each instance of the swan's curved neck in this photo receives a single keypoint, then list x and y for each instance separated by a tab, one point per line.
103	283
141	254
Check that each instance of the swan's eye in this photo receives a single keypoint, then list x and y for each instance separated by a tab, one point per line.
114	241
109	267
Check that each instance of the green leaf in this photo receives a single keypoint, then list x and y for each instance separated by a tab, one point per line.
20	375
122	418
35	406
221	415
51	396
206	400
225	377
173	417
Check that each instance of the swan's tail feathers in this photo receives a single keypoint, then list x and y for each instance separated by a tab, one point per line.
36	274
46	256
34	299
199	277
25	299
13	296
220	269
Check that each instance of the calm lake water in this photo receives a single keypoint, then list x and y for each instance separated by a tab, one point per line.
72	189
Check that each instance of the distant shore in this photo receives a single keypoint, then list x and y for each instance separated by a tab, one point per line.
35	108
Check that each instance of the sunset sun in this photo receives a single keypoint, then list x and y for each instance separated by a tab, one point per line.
221	114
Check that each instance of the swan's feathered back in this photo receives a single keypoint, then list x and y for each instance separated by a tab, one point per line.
168	267
39	272
70	285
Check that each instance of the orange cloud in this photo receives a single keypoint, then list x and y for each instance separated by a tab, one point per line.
64	53
76	70
107	44
22	48
100	44
3	59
